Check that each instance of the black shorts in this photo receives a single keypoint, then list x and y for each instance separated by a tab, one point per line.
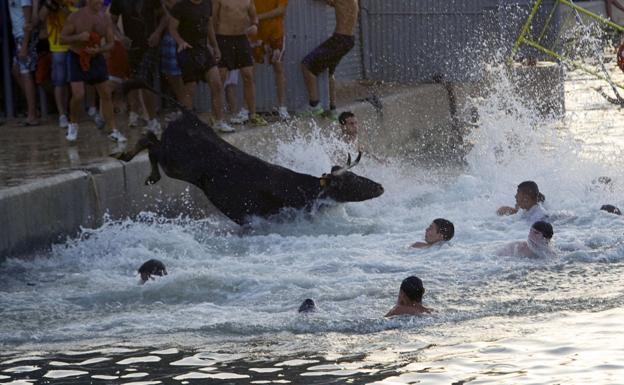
96	74
194	63
235	52
329	53
143	63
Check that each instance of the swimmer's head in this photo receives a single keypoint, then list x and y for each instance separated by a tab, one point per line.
439	230
412	287
307	306
528	195
152	267
611	209
349	124
542	228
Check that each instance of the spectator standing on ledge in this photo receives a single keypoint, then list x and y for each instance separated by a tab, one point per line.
54	13
143	25
327	56
23	16
191	26
234	21
83	32
269	41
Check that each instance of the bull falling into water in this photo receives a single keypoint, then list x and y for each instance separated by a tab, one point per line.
238	184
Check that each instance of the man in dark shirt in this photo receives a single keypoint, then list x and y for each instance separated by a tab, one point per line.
143	25
191	26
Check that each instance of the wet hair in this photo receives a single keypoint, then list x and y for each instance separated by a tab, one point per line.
529	187
544	228
307	306
413	288
342	118
445	227
611	209
153	267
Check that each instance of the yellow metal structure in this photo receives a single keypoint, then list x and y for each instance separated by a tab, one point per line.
526	39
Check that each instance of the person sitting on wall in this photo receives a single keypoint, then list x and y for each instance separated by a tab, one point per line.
409	301
528	199
537	243
440	230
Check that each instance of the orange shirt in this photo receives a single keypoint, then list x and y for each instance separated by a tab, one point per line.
274	23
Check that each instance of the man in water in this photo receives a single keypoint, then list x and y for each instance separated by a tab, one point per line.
328	55
537	243
151	267
440	230
528	199
83	31
307	306
348	127
410	298
611	209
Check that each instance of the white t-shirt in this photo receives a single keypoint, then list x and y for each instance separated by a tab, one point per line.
17	16
535	213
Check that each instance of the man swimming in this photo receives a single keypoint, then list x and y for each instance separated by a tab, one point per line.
440	230
528	199
537	243
611	209
410	298
151	267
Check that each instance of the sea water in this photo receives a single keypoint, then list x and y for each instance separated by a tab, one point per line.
227	311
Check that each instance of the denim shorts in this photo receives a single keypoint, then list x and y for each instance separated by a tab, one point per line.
59	69
168	56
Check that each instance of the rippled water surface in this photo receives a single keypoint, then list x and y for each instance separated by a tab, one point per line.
227	310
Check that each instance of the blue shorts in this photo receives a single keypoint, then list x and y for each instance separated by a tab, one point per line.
59	69
168	56
96	74
329	53
27	64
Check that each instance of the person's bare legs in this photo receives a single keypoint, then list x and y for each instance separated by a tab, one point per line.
60	97
231	99
215	83
31	97
188	93
249	88
177	85
310	83
332	91
76	101
280	83
149	101
106	104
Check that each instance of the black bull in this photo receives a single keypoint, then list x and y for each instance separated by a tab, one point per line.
239	184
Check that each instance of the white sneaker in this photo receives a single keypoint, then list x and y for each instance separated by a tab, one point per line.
100	123
63	121
308	110
92	111
283	113
223	126
117	136
153	126
72	132
241	118
134	120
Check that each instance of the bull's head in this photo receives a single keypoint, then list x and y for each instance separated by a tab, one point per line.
342	185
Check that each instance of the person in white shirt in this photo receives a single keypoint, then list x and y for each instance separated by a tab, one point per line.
528	203
537	243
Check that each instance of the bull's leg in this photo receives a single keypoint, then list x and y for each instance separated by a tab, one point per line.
127	156
153	158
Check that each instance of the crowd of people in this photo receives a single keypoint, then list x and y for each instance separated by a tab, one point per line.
92	46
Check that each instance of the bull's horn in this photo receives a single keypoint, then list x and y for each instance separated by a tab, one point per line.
349	164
